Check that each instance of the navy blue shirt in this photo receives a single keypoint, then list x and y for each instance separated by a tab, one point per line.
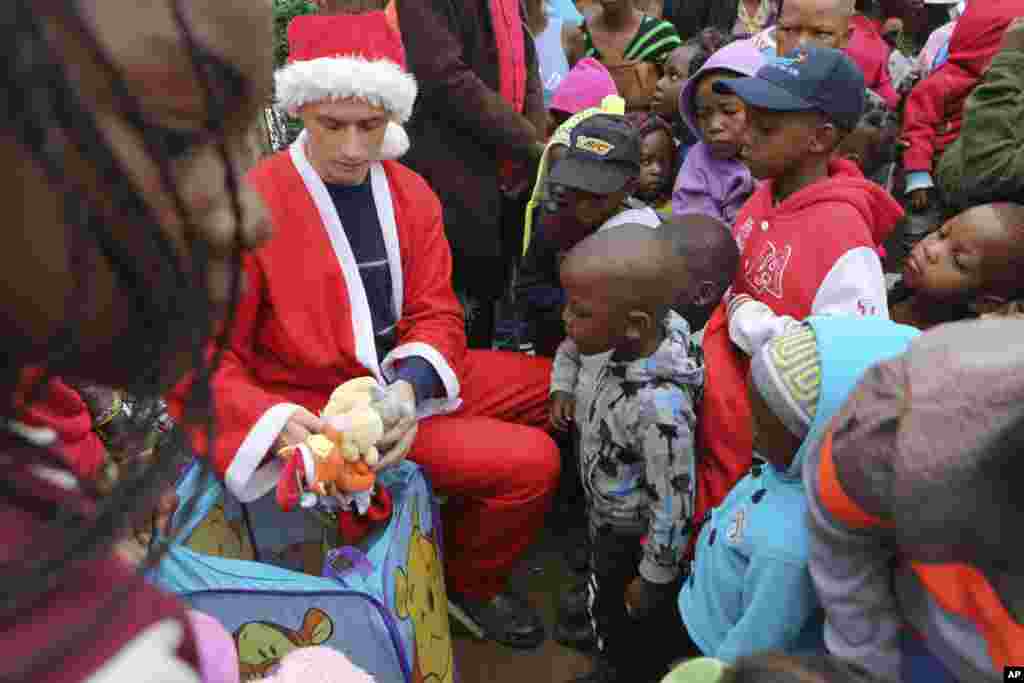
358	213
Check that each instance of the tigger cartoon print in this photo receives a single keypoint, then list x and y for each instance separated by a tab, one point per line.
261	644
420	596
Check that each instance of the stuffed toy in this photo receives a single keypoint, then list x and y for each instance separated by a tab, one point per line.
317	664
339	461
334	469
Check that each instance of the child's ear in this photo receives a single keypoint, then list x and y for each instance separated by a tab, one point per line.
987	304
638	325
825	139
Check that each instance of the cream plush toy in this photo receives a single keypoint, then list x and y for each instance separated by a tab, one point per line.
339	461
359	421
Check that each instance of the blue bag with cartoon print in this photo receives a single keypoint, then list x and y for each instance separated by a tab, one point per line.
382	602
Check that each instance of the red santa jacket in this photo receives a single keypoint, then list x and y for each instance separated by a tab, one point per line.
870	52
303	325
934	109
813	253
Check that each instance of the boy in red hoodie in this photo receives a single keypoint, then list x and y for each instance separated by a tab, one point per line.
934	109
807	237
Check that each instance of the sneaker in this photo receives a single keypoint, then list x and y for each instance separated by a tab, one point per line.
506	618
602	673
572	606
575	636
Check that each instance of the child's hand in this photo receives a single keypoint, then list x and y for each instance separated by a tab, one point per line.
563	407
919	199
1013	39
643	596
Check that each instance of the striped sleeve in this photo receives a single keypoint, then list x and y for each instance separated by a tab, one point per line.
654	41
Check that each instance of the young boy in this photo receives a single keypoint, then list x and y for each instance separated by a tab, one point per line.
916	514
657	162
589	188
807	237
749	589
637	454
970	266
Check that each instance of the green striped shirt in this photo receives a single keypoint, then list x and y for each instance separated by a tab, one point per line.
653	41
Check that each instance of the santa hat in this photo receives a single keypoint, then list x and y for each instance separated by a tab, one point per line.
336	57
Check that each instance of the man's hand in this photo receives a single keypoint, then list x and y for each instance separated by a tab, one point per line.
919	199
642	596
396	406
300	426
1013	39
563	407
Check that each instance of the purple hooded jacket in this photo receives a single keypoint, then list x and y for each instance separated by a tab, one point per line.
705	185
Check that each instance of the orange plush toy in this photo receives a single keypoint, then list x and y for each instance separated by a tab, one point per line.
337	464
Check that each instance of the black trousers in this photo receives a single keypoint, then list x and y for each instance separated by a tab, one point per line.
641	649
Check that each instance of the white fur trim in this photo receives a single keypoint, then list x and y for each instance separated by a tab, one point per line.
362	322
389	227
433	406
396	142
243	479
382	83
308	466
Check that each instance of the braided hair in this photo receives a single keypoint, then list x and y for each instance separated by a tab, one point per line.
43	109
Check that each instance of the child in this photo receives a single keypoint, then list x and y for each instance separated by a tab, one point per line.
771	668
665	101
589	188
933	113
915	510
713	181
584	87
749	590
632	44
987	160
970	266
657	162
709	258
871	146
807	237
636	443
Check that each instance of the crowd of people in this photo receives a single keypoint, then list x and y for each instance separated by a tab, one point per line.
746	275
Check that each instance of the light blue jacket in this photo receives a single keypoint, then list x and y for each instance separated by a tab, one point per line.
750	589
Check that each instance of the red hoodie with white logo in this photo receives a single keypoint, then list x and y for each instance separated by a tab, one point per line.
814	253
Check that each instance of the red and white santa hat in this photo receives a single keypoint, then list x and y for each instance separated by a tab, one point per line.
337	57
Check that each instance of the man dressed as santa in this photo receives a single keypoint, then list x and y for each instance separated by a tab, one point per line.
356	281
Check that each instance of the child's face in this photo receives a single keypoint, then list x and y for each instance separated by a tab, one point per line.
772	441
722	119
665	101
778	142
574	214
591	319
970	255
811	22
657	160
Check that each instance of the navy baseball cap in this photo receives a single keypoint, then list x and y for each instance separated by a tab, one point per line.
809	78
603	155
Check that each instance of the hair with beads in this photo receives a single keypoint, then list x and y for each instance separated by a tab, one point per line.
45	111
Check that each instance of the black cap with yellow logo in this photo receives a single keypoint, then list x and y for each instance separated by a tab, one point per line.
603	155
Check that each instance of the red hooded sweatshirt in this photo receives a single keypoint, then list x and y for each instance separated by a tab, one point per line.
813	253
934	109
62	409
870	52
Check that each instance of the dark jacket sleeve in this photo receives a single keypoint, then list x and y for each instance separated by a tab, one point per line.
447	83
693	16
987	160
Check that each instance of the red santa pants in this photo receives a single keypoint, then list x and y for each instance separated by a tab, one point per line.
495	463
